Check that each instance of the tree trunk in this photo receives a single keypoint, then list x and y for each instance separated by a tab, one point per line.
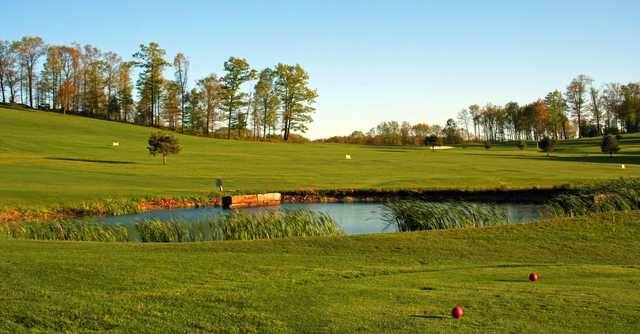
30	79
2	88
264	119
229	123
208	126
229	126
182	110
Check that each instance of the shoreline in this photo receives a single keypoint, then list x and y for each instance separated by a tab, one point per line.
131	206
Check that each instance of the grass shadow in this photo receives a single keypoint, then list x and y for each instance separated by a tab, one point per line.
115	162
629	159
392	150
429	316
616	159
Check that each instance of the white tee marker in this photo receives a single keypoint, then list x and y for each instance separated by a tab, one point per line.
115	144
348	156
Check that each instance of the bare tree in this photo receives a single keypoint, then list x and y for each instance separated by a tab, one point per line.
595	107
575	96
4	65
29	50
211	91
463	119
612	98
181	65
474	110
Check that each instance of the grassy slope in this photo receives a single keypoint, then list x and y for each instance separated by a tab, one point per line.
50	158
590	273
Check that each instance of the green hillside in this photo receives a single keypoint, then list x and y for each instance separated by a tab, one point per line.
48	158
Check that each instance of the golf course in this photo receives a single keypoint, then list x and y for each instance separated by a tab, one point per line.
405	282
302	167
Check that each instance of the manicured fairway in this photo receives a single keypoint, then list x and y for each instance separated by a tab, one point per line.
48	158
402	283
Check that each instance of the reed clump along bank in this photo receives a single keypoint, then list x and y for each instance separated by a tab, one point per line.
269	224
60	230
232	226
617	195
418	215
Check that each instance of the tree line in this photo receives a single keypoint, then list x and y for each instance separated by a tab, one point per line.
87	81
400	133
583	110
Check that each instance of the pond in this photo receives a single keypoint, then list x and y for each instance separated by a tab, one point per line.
352	218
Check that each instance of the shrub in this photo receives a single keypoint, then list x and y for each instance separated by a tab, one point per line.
547	145
487	146
609	145
433	141
522	144
611	131
590	131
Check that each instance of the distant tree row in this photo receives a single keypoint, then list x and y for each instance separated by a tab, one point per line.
84	80
582	111
395	133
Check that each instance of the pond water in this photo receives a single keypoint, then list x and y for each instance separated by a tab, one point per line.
353	218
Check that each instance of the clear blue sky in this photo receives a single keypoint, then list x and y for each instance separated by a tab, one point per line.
419	61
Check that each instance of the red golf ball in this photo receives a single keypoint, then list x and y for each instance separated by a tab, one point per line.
533	277
457	312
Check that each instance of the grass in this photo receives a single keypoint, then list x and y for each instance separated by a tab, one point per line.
49	159
400	282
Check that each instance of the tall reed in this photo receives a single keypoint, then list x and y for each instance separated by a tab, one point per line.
414	215
239	226
234	226
59	230
616	195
